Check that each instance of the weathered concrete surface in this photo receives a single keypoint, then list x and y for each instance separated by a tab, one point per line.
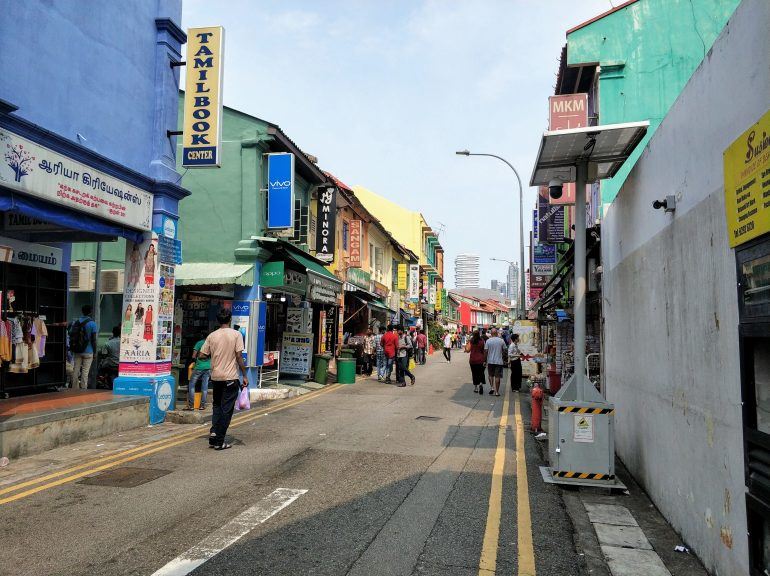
670	302
33	434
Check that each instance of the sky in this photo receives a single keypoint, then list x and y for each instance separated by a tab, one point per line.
383	92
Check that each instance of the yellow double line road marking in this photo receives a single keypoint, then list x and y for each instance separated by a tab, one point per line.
526	553
76	472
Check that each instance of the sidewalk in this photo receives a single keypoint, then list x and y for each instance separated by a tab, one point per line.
623	533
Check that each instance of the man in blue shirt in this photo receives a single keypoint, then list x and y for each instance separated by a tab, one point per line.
82	336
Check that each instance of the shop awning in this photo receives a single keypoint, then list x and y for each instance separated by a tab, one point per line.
210	273
379	304
313	267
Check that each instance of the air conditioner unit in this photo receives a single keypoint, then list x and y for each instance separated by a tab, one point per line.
112	282
82	276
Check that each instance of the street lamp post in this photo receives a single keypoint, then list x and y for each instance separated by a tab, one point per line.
522	288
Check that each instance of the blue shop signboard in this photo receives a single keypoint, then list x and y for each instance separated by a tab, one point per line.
280	190
544	254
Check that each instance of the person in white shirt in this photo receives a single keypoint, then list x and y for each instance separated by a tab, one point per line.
448	346
493	356
514	360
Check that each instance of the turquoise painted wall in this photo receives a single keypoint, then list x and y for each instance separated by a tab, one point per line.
647	53
227	204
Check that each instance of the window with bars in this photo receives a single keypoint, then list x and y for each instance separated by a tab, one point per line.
345	234
301	222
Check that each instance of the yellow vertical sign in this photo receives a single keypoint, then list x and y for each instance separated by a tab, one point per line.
747	183
202	137
402	276
439	301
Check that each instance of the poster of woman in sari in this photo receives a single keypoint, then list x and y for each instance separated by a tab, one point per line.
148	324
128	324
135	265
149	265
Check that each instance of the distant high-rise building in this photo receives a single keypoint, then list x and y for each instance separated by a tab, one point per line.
513	282
502	287
495	285
467	271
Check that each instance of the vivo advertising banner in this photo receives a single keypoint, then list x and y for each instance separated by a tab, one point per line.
43	173
280	190
326	224
202	138
565	112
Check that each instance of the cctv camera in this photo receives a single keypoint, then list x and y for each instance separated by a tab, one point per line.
657	205
555	187
668	204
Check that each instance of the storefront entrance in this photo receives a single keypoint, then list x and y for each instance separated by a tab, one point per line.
754	307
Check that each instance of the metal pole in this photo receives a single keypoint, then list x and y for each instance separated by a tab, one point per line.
580	279
98	287
522	288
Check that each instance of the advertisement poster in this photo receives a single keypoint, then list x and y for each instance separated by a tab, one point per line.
241	319
526	329
296	353
165	323
747	183
280	190
143	351
414	282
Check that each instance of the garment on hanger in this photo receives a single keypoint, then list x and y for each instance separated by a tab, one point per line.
20	364
17	335
6	353
40	332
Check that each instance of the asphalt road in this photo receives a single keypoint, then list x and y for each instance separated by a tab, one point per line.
377	489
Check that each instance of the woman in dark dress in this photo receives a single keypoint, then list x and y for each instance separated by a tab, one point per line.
476	360
514	357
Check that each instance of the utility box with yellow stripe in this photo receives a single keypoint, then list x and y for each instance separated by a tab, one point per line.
581	439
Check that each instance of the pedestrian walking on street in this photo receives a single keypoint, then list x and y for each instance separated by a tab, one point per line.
422	345
370	355
475	348
224	347
493	355
404	345
380	355
448	346
389	349
514	358
82	336
201	373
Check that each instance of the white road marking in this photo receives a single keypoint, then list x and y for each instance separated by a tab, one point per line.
231	532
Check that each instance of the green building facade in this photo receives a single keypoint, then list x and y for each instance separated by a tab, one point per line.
640	55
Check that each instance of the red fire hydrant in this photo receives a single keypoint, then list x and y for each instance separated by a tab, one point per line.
537	408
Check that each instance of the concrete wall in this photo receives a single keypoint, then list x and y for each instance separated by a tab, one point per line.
89	68
647	52
670	302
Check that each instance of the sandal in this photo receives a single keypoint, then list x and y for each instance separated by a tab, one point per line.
224	446
497	393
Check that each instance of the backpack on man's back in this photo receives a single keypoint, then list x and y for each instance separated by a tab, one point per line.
78	334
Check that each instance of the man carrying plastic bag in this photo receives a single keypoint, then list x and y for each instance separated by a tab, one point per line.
224	347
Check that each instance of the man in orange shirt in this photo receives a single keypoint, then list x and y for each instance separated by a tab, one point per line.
224	346
390	348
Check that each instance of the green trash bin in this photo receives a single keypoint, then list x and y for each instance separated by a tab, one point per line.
347	353
321	368
346	370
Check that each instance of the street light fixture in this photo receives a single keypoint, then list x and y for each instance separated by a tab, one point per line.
521	297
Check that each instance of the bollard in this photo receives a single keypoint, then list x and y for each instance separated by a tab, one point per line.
537	408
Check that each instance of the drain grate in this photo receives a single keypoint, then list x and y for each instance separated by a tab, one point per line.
431	418
124	477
